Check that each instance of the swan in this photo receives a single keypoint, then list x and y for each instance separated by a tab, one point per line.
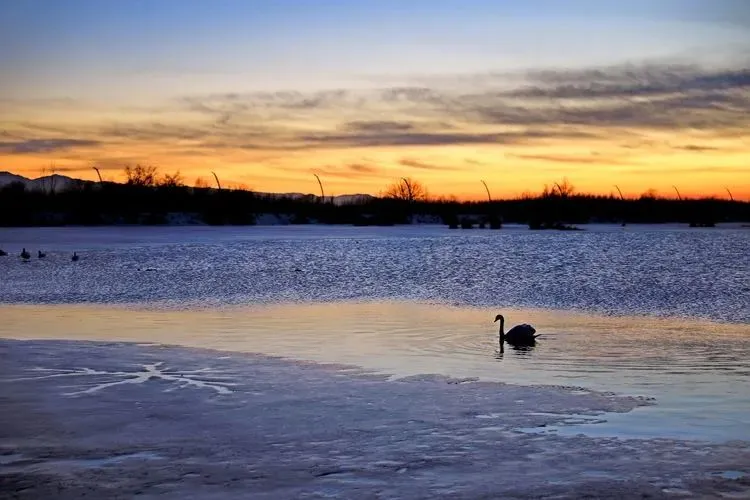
25	255
518	335
75	257
3	253
41	254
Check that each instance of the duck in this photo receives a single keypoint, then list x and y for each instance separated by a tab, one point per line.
41	254
518	335
75	257
25	255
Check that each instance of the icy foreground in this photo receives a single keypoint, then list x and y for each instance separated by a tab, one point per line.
114	420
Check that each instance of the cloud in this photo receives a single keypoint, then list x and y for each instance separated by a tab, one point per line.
696	148
487	109
407	162
630	81
362	168
350	170
378	126
226	106
717	169
153	132
31	146
472	161
575	159
655	96
394	139
551	104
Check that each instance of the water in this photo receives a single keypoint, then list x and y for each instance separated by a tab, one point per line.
658	312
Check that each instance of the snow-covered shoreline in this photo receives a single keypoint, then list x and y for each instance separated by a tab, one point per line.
119	419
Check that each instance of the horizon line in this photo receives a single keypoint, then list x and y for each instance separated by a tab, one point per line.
648	193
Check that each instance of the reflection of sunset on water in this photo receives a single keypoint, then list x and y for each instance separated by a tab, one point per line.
685	364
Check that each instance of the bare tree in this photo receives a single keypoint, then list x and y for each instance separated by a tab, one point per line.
565	188
407	189
141	175
650	194
173	180
201	183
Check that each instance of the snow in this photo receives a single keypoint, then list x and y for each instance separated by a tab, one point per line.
111	420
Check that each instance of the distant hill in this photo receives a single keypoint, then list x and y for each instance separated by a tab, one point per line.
49	183
8	178
57	183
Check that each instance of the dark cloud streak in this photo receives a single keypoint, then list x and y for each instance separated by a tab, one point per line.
378	126
37	146
394	139
594	159
409	162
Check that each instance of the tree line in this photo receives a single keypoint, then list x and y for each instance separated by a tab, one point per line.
152	199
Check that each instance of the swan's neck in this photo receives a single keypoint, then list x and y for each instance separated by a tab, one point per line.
502	329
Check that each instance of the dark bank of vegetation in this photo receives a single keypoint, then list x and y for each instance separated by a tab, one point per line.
149	199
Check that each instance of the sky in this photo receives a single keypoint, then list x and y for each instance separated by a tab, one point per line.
640	94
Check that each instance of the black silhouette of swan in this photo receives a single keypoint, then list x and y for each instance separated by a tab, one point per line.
41	254
519	335
75	257
25	255
3	253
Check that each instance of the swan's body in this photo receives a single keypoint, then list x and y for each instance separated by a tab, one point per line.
518	335
41	254
25	255
3	253
75	257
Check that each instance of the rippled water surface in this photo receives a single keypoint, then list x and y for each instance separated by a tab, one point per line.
657	312
632	270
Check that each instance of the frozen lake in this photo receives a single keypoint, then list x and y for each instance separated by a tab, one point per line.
660	311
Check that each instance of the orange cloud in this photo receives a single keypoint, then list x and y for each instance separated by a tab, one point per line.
640	127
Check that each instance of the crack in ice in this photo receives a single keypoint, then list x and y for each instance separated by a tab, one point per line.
180	378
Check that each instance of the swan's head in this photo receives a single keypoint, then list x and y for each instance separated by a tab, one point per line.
499	317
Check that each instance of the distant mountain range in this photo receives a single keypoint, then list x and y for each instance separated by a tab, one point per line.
57	183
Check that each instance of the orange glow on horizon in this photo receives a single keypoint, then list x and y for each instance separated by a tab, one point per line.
445	173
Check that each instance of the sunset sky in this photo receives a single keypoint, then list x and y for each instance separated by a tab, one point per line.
642	93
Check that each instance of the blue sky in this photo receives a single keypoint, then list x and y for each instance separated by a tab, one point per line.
92	47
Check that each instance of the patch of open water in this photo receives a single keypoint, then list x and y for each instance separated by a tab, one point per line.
697	371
